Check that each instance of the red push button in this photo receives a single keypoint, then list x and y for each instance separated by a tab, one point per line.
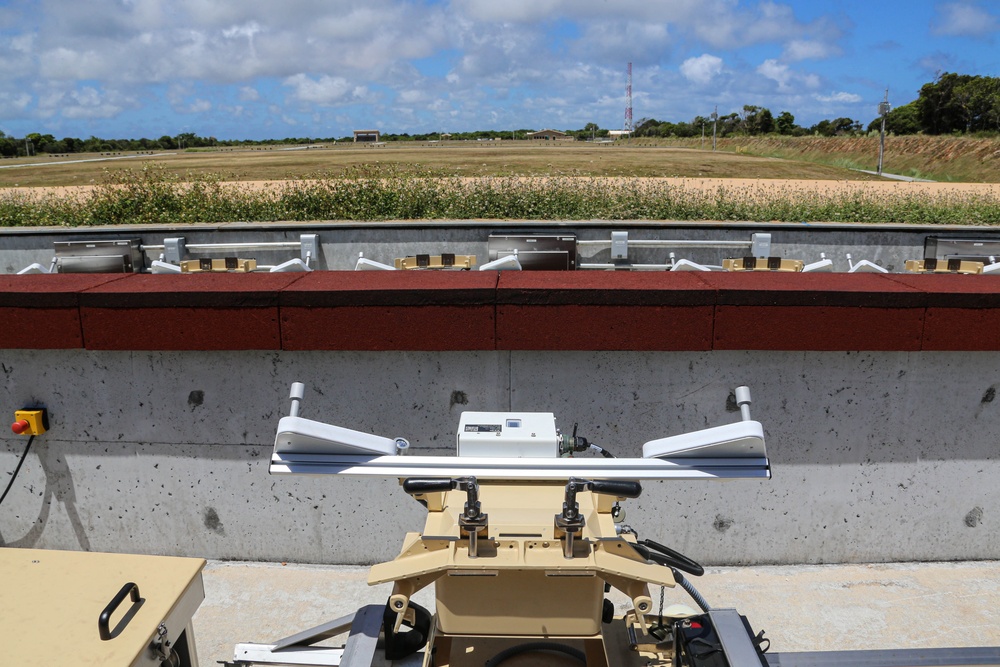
20	426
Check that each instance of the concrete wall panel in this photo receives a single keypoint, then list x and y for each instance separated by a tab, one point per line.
876	456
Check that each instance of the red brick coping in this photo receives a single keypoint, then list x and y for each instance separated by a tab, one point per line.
374	310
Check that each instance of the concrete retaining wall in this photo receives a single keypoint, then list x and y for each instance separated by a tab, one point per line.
160	446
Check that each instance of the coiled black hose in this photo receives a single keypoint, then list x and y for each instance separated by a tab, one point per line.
536	646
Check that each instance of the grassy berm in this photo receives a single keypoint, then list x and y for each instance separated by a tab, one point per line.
945	158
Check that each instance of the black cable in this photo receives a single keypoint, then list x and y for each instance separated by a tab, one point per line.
674	558
17	469
536	646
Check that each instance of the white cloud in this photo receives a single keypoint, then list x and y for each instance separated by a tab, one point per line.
840	98
775	71
15	104
249	94
326	90
623	41
415	64
787	79
199	106
964	19
806	49
703	69
83	103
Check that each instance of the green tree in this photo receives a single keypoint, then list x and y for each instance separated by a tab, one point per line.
785	123
646	127
959	103
904	119
756	120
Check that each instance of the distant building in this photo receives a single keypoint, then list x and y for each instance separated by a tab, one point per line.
550	135
366	135
619	134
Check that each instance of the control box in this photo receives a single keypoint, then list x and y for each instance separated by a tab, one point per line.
508	434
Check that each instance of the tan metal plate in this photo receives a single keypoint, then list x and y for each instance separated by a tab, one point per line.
51	602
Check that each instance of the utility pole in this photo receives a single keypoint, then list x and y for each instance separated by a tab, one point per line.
715	124
883	110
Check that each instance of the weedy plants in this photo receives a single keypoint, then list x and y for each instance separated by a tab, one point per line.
151	195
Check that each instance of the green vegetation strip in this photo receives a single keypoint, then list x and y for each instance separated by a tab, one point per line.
153	196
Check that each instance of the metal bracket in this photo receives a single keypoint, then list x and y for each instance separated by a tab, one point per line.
760	245
365	625
310	248
174	250
619	246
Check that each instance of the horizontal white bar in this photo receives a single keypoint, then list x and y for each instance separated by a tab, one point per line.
304	655
520	468
232	246
667	243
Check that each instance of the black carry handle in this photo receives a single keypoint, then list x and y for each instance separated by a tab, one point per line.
617	487
428	485
105	618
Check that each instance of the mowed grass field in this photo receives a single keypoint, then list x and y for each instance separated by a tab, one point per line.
469	159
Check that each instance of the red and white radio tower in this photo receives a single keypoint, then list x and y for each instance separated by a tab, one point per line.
628	101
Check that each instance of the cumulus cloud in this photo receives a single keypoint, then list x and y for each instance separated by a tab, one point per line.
788	80
325	90
703	69
15	104
964	19
807	49
840	98
86	102
623	41
415	64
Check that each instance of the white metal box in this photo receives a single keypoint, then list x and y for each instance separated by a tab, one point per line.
508	434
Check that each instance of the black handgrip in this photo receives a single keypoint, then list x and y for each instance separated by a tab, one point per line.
617	487
105	618
428	485
672	558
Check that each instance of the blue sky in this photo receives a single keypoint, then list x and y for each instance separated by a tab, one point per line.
260	69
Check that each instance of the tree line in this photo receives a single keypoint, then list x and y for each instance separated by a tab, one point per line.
752	120
951	104
47	143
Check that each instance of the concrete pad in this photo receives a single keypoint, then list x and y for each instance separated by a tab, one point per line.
800	608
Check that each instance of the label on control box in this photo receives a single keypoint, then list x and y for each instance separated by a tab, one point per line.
482	428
